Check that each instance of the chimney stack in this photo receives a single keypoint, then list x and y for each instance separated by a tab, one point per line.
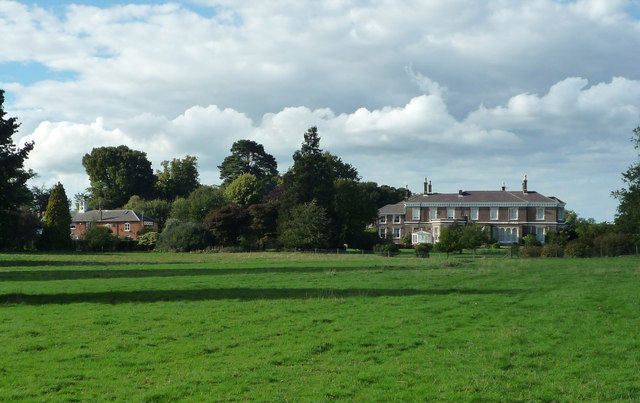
406	192
426	186
503	186
460	193
430	189
524	184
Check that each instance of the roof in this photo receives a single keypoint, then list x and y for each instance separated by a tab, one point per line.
484	197
397	208
110	216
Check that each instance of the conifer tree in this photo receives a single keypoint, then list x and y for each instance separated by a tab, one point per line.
57	219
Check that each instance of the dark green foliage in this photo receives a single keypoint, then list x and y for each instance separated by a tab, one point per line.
473	236
249	157
178	178
157	209
383	195
227	224
14	192
422	249
116	174
57	220
40	200
99	238
199	203
530	240
514	250
612	244
24	226
560	238
183	237
354	209
406	240
366	240
263	228
530	251
577	248
449	240
306	226
628	217
386	249
552	250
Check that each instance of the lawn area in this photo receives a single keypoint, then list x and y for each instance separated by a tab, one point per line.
304	327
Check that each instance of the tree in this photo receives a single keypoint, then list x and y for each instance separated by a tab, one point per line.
248	157
57	219
263	227
307	227
99	238
227	224
157	209
354	208
199	203
14	192
628	216
116	174
244	190
40	200
473	236
178	178
449	240
180	236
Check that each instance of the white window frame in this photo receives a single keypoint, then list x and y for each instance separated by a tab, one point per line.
396	219
474	214
399	231
416	213
382	219
495	210
540	233
539	216
127	227
433	213
383	233
560	213
511	215
451	210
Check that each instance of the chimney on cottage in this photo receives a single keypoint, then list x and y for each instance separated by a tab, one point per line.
460	193
524	184
426	186
503	186
430	189
407	192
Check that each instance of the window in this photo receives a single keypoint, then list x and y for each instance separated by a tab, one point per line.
494	213
382	219
540	234
433	213
396	233
560	214
451	212
396	219
540	213
72	226
127	227
474	213
416	213
513	213
383	232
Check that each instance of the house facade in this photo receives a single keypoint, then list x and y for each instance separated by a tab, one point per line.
509	215
125	223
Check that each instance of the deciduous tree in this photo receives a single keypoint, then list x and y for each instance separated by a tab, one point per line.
628	216
244	190
178	178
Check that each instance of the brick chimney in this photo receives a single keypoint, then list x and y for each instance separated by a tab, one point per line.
503	187
426	186
524	184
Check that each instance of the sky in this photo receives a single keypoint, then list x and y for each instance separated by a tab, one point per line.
467	93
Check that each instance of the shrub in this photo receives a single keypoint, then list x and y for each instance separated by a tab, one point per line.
612	244
577	249
148	240
99	238
495	245
406	240
530	251
183	237
552	250
515	250
530	240
386	249
145	230
560	237
422	249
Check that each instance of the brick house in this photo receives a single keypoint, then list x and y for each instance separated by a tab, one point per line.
510	215
125	223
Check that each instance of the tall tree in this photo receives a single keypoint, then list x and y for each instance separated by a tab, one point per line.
307	227
248	157
57	219
199	203
227	224
628	216
244	190
355	208
116	174
178	178
157	209
14	192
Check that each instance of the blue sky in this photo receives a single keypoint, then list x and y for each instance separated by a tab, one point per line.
467	93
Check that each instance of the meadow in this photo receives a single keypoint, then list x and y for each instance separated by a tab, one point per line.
304	327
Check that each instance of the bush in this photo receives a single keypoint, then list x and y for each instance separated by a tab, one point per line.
530	251
148	240
552	250
422	249
145	230
183	237
612	244
530	240
406	240
515	250
99	238
495	245
577	249
386	249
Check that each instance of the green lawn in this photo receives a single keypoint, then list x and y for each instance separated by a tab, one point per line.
294	327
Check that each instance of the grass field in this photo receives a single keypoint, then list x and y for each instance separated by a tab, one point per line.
293	327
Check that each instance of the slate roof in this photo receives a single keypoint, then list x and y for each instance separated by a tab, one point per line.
397	208
484	196
110	216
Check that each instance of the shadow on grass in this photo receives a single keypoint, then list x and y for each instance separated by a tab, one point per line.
242	294
45	263
52	275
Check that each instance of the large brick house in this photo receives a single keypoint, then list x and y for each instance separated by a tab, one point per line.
510	215
125	223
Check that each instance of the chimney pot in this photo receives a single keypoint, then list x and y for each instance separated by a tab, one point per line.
503	187
524	184
430	188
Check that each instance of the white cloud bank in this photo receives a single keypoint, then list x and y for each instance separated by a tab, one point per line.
468	93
